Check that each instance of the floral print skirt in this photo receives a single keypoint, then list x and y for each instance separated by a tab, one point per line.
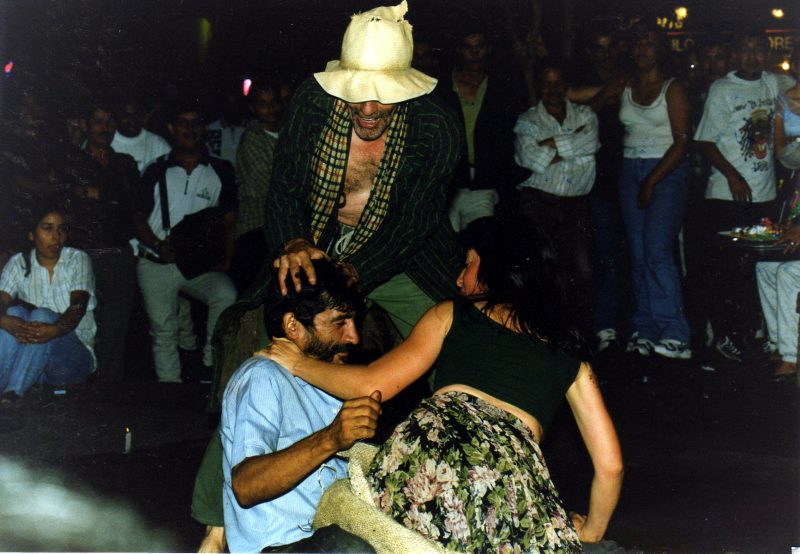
471	477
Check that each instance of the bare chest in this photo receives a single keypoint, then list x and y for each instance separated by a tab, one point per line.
362	168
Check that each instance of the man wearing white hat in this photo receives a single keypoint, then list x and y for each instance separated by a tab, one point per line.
362	170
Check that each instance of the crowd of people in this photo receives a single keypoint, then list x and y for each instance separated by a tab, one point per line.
494	219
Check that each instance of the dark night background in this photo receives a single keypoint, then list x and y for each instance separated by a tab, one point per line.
72	48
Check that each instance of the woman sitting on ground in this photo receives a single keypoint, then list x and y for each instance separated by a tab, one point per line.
46	301
465	469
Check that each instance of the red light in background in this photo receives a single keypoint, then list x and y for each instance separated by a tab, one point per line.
246	84
8	67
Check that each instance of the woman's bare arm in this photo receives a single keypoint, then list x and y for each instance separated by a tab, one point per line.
389	374
678	110
600	438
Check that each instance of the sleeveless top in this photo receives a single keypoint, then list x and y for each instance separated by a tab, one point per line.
481	353
648	133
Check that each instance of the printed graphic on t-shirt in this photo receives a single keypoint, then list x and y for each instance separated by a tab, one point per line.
755	136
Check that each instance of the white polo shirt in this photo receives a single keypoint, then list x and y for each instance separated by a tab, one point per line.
210	184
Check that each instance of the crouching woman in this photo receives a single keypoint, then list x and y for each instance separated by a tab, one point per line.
46	300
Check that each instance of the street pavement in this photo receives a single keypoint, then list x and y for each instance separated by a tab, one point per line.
711	457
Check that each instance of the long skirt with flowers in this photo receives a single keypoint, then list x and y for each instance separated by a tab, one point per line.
471	477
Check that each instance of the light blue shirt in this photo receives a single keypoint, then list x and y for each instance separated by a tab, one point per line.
266	409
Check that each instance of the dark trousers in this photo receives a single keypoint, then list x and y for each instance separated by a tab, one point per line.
734	305
115	280
568	222
249	256
610	254
327	539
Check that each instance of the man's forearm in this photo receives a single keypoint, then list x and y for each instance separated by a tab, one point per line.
262	478
143	231
712	153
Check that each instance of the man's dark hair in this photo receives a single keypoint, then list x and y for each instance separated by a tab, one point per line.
266	83
469	26
752	33
184	105
332	291
96	104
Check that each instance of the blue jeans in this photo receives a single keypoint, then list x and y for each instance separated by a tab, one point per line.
62	361
652	235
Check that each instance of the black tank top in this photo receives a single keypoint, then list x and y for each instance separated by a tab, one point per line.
515	368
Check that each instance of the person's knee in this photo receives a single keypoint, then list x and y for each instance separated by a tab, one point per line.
224	296
787	275
17	311
43	315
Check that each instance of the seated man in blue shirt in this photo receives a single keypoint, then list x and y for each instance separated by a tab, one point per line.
279	434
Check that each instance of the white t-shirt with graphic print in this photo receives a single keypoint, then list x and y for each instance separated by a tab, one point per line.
738	117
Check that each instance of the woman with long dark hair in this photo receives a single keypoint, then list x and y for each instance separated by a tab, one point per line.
465	469
46	300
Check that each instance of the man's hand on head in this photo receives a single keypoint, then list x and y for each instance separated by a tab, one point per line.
297	256
357	420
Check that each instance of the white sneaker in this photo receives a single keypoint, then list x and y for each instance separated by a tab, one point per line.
640	346
605	339
674	349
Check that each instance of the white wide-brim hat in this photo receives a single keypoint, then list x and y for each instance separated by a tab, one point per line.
375	63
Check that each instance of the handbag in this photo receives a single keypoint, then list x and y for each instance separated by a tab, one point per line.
198	238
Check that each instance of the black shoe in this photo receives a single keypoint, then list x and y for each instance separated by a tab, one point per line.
205	375
729	349
9	397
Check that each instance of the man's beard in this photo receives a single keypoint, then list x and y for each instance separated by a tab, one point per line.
317	348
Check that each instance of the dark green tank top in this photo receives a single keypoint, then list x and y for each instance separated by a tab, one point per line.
481	353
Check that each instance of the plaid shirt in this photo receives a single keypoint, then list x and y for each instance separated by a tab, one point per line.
253	176
415	235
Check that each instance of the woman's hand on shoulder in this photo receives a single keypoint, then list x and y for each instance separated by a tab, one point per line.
284	352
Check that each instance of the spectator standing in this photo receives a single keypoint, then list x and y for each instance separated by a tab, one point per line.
557	141
488	106
653	185
713	63
254	176
602	69
101	209
736	135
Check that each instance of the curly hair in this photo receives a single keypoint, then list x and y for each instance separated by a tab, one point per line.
332	291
